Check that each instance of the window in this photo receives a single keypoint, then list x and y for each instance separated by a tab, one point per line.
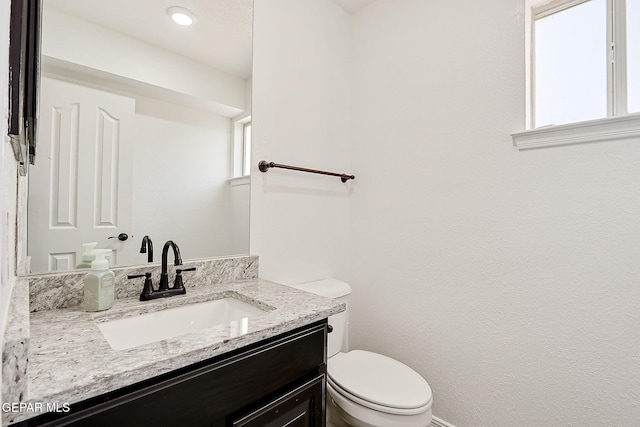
633	54
246	149
241	147
584	74
570	56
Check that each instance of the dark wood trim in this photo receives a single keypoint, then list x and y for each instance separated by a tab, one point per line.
24	77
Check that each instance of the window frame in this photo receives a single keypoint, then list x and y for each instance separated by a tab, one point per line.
246	148
619	124
238	146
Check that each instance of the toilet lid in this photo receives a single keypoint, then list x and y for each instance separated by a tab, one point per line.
379	379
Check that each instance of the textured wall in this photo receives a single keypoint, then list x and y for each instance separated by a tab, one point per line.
508	279
8	179
301	102
8	175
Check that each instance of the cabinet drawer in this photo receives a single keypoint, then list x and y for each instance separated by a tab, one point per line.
300	407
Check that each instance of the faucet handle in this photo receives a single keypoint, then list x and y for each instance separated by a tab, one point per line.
147	243
178	284
147	290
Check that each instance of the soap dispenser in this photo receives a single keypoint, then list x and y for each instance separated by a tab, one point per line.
99	283
87	256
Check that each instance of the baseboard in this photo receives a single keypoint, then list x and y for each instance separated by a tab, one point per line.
437	422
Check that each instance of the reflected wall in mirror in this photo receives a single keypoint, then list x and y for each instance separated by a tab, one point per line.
140	131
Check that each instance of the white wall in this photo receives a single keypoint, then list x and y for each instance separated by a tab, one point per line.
8	179
300	116
180	177
509	279
6	158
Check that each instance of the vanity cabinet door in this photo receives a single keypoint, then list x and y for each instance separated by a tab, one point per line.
301	407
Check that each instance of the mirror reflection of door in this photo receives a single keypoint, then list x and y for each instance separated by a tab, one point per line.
80	189
191	87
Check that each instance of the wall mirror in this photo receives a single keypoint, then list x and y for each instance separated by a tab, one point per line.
141	130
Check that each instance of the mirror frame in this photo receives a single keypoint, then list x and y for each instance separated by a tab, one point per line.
24	77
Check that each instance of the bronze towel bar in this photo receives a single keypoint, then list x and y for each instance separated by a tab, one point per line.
264	166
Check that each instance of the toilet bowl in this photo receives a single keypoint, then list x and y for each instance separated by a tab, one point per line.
344	413
367	389
371	390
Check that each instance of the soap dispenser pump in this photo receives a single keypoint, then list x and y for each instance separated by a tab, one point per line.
99	284
87	255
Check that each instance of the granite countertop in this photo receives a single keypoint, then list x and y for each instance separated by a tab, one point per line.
70	360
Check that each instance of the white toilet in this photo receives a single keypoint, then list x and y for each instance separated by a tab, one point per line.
368	389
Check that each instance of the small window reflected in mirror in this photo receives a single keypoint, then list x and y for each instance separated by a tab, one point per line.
246	149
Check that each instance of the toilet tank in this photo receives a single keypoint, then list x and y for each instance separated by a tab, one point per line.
332	288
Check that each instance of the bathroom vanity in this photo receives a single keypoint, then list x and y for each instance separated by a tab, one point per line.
267	369
279	380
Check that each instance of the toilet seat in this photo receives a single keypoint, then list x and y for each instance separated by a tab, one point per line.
370	405
379	382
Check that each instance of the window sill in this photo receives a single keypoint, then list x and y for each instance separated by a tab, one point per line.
240	180
598	130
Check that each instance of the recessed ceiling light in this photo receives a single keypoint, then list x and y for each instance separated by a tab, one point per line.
181	16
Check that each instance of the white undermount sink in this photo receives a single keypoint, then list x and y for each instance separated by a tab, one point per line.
134	331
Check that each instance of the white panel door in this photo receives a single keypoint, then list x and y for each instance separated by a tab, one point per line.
80	188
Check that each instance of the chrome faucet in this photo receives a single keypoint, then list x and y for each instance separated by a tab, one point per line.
164	276
147	248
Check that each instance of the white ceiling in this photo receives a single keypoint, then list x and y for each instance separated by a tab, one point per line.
220	38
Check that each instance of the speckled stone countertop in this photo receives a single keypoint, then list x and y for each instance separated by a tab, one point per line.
70	360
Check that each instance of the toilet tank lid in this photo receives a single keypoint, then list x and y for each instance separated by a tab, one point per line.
330	288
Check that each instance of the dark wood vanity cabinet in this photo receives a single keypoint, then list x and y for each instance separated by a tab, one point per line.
274	383
300	407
